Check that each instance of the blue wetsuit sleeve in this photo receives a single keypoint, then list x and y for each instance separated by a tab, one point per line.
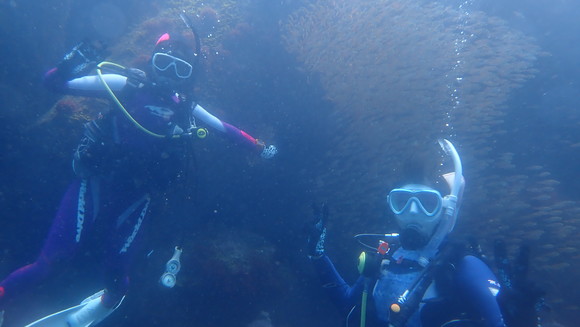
478	287
343	295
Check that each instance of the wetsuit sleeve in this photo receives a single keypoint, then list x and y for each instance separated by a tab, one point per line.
478	287
84	86
343	295
232	132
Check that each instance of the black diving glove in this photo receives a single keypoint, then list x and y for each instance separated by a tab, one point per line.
521	299
317	231
83	58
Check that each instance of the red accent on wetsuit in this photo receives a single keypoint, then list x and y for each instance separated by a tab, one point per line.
2	292
163	38
249	137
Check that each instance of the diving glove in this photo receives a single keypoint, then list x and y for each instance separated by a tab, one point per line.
522	299
83	58
317	232
269	152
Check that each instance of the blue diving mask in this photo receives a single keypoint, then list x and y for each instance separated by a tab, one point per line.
428	201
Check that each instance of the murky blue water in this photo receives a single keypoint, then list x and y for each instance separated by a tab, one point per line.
242	231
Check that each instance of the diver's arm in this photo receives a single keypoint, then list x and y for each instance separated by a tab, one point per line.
93	84
342	294
85	85
75	73
232	132
478	286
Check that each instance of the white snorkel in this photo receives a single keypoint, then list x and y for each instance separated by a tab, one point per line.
456	183
451	203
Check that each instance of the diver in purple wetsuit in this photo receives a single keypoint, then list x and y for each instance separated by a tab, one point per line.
417	278
123	158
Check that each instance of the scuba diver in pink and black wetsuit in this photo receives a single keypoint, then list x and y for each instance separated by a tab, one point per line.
123	157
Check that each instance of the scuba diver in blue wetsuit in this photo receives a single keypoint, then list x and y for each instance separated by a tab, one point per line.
417	277
124	160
